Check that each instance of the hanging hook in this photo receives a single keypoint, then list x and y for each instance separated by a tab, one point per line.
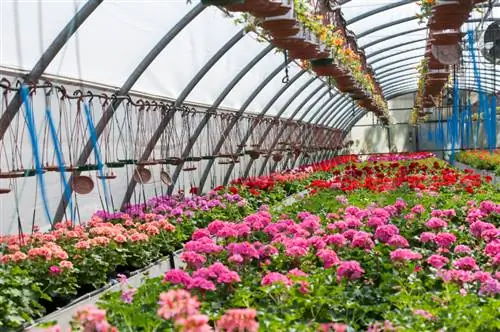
106	100
49	88
62	90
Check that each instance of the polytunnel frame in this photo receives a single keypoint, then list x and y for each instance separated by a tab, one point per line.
89	7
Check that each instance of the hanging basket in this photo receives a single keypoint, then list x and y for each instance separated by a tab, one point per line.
269	8
254	154
142	175
277	157
107	176
82	184
282	25
150	162
165	178
88	167
4	191
189	168
208	157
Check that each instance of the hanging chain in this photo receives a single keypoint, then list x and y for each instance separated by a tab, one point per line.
286	79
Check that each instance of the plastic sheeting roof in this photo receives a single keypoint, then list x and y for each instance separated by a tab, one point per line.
118	35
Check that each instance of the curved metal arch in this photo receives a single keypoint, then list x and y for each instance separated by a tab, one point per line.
342	123
229	87
397	54
387	49
129	83
321	112
421	56
343	108
402	73
409	87
178	102
48	55
383	39
307	112
352	124
242	109
385	26
486	81
282	130
379	10
270	126
415	64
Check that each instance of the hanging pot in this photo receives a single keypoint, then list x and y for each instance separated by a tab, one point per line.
142	175
193	159
127	161
108	176
189	168
254	154
165	178
4	190
147	162
277	157
82	184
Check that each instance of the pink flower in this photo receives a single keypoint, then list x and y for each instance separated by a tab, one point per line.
418	209
66	265
275	277
329	257
350	270
401	255
192	259
437	261
445	239
436	223
336	327
193	323
128	295
423	313
238	320
201	283
478	227
427	237
177	276
398	241
297	273
462	249
362	240
466	263
490	287
54	270
385	232
93	319
493	248
177	303
336	239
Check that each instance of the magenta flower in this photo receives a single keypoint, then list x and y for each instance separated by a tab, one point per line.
466	263
55	270
437	261
398	241
436	223
127	295
328	257
427	237
275	277
385	232
350	270
445	240
401	255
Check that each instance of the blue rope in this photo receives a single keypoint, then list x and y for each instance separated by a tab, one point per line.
492	132
93	137
482	98
30	122
454	122
60	160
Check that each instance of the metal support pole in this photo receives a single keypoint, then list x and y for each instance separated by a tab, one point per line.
46	58
129	83
213	108
234	121
185	92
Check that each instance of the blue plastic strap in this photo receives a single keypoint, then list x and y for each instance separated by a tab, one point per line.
30	122
97	154
60	160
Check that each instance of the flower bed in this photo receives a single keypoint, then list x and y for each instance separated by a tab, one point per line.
73	260
409	257
481	159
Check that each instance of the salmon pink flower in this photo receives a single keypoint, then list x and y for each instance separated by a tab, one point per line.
238	320
177	303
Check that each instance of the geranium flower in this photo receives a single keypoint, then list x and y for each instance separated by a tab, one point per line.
238	320
400	255
437	261
350	270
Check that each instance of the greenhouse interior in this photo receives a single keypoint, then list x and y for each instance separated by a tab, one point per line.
249	165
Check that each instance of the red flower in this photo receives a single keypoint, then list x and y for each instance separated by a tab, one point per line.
194	191
254	192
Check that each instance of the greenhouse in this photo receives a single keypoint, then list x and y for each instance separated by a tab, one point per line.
249	165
